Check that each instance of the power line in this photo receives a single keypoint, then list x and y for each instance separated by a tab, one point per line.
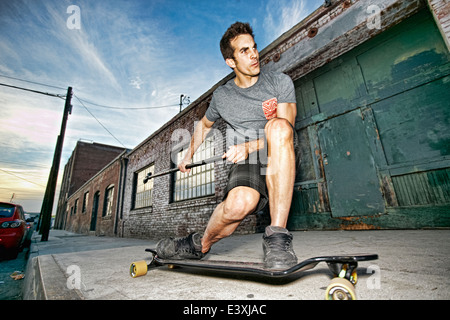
34	91
80	100
99	121
126	108
33	82
5	171
85	101
23	164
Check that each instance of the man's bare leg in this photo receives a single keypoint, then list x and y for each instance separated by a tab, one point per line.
240	202
280	177
277	241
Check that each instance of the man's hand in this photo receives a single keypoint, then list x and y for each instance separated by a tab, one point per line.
182	165
237	153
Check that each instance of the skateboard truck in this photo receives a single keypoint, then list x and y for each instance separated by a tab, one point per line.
342	287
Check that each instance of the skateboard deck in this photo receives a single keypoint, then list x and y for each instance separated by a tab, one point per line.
343	268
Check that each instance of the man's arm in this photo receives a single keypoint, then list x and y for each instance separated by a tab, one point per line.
200	132
287	111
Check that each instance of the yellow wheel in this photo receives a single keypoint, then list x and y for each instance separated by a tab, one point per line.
138	268
340	289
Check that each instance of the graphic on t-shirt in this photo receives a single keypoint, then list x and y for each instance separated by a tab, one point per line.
270	108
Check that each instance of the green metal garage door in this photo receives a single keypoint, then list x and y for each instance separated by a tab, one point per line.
375	130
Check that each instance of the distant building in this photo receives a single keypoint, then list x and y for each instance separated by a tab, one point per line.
96	206
87	159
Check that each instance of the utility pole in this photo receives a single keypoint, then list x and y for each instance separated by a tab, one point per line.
49	197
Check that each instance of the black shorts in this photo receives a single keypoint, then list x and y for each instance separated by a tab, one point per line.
253	175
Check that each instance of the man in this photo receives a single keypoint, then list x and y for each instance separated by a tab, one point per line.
251	103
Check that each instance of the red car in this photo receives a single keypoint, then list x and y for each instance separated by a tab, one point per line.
13	229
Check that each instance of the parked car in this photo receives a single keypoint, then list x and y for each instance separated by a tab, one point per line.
13	229
30	228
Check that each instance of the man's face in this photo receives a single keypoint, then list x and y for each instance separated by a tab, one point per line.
246	56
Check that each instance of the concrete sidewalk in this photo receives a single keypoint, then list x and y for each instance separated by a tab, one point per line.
413	264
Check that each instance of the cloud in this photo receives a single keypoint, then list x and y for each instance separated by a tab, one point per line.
136	82
282	15
78	44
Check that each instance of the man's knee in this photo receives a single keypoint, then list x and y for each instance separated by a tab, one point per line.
279	129
239	204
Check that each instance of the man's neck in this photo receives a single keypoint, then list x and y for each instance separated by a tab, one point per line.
244	81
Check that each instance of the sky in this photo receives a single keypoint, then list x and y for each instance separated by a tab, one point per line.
128	62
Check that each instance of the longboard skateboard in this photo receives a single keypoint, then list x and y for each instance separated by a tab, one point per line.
340	288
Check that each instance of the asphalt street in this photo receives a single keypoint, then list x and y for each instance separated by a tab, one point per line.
11	289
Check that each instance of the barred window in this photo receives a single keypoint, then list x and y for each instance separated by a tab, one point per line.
144	191
200	181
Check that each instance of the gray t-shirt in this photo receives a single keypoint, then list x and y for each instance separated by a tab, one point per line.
247	110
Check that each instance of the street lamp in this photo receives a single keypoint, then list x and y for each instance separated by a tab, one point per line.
184	99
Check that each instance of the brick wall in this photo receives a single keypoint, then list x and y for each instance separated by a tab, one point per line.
441	13
80	221
86	160
90	158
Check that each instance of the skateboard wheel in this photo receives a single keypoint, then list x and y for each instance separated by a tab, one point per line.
138	268
340	289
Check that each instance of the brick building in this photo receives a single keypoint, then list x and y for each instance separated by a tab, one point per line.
87	159
95	206
372	87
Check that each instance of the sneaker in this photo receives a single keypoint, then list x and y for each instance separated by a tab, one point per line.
278	251
189	247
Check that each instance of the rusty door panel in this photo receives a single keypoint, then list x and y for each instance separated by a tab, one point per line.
340	87
353	184
414	125
410	54
307	105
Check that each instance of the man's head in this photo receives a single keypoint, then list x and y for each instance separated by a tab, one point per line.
239	49
233	31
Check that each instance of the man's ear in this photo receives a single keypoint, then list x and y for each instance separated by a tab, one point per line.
231	63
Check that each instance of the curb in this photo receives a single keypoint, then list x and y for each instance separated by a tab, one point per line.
44	278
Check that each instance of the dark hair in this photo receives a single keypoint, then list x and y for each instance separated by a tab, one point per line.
233	31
